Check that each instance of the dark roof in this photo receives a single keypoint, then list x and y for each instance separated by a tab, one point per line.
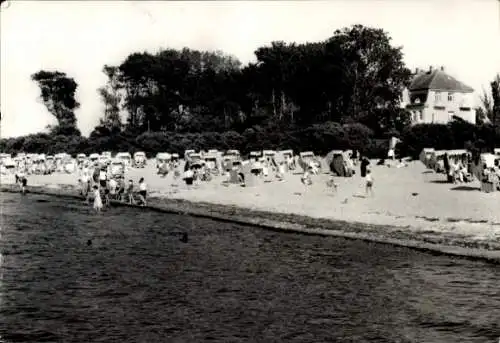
438	79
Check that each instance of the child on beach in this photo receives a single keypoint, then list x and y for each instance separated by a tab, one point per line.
22	181
112	186
369	182
331	184
306	178
121	189
130	192
142	191
97	199
188	177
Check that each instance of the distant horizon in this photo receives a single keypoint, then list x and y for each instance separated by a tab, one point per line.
31	42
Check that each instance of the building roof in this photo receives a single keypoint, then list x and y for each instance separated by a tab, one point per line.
438	79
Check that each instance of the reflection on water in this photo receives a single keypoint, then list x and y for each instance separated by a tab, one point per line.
228	283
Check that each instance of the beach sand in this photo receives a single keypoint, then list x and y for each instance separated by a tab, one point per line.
409	199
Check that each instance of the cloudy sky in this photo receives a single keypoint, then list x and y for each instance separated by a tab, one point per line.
79	37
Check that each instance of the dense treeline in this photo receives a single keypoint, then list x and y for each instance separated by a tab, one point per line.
355	76
319	138
341	93
457	134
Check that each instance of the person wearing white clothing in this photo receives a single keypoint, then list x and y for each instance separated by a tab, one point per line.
142	191
112	188
369	182
188	177
103	178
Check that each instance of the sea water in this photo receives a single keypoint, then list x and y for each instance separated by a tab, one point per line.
71	275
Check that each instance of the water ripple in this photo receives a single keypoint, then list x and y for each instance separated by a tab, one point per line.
137	282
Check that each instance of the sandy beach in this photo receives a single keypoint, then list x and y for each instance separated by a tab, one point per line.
410	199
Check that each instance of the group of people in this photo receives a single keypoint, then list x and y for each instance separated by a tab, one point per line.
492	174
458	170
104	188
365	172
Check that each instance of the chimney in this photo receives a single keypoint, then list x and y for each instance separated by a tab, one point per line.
442	68
430	69
417	71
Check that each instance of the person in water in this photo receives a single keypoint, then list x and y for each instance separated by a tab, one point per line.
97	199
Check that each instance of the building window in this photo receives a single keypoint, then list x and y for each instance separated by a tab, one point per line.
437	97
450	115
421	115
450	97
433	117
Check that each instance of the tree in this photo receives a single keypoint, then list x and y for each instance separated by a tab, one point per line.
373	73
484	113
495	94
58	95
111	97
489	110
482	116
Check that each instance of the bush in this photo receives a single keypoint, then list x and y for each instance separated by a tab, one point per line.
320	138
457	134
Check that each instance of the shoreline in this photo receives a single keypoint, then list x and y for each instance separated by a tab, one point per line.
429	241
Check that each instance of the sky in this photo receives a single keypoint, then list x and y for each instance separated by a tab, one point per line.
79	37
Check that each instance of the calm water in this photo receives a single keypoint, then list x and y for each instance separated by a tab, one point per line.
139	283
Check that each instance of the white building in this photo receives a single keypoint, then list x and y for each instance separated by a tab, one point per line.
435	97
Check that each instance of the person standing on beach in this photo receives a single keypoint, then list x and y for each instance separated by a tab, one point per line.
85	184
446	165
22	181
130	192
142	191
121	188
369	183
96	174
103	177
364	166
188	177
97	199
112	185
